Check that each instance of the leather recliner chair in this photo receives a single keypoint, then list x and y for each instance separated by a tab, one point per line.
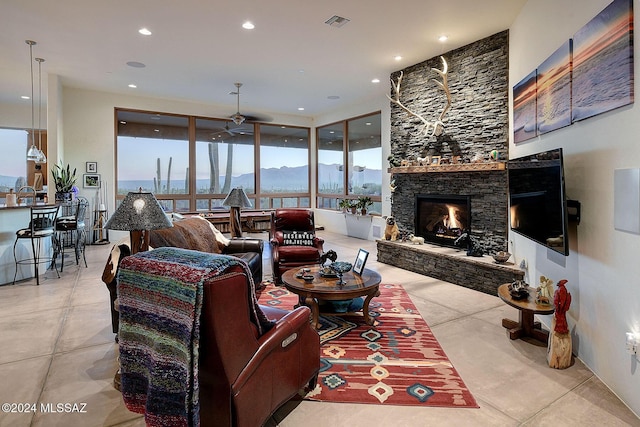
293	242
244	376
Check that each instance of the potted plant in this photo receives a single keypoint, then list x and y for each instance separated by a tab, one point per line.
363	203
64	180
344	205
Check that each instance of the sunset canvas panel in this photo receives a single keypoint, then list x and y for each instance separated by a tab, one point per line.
524	108
554	90
603	62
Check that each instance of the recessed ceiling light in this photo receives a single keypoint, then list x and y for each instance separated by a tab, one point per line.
443	38
333	97
136	64
375	81
368	123
300	108
132	86
248	25
397	57
144	31
25	97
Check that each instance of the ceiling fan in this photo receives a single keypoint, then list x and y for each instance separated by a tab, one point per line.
238	118
232	132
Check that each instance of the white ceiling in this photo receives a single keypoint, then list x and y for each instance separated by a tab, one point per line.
198	48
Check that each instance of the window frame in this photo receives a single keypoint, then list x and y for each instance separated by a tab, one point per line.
193	197
334	198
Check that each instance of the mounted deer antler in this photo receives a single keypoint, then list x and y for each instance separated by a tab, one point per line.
437	126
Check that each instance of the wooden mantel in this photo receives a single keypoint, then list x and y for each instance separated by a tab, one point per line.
460	167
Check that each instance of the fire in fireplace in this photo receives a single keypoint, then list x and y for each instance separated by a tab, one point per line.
441	219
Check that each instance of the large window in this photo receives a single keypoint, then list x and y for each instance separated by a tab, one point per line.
350	161
331	159
284	166
224	160
365	156
191	163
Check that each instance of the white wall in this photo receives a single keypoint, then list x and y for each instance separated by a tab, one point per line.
603	266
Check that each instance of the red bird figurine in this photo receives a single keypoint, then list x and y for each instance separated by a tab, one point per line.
561	302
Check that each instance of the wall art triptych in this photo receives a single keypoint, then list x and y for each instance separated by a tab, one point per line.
588	75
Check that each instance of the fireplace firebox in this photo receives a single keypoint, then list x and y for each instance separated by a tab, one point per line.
442	218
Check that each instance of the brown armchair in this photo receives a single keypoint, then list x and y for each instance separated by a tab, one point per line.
243	375
294	242
245	378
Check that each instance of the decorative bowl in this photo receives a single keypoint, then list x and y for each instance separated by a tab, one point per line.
341	267
308	278
501	257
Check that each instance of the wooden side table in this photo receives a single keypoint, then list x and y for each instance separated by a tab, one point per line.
526	326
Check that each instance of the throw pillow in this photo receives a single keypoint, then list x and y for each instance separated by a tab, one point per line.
297	238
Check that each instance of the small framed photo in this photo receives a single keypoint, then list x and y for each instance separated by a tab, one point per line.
91	180
361	260
435	160
92	167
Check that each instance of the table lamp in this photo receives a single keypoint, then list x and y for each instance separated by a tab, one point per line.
236	199
138	213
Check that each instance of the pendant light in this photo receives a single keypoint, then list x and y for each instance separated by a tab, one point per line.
32	154
41	157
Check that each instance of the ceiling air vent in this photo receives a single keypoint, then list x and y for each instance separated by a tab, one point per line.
336	21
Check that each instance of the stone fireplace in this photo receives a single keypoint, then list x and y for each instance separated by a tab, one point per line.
465	184
442	218
479	198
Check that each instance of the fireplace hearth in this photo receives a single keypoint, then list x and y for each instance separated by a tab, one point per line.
441	219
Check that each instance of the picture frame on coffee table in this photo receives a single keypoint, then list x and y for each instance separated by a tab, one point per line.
361	260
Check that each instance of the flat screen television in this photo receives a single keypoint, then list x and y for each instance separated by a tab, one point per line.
537	199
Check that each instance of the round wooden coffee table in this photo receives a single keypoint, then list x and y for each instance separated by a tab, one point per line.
525	326
327	289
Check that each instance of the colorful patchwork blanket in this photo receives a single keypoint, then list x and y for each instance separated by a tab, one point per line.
160	301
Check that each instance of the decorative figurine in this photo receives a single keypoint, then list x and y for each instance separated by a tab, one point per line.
544	292
391	230
559	350
330	255
473	247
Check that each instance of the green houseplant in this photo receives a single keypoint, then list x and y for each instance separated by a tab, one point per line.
344	205
64	180
363	203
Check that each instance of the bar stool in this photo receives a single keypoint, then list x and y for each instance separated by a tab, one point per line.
73	224
41	226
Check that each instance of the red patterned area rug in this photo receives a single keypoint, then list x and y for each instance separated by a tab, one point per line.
397	361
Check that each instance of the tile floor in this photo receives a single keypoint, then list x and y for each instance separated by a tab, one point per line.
57	347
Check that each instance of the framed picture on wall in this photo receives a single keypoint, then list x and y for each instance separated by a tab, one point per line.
91	180
92	167
361	260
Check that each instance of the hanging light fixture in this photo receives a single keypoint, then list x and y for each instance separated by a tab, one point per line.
238	118
32	154
41	157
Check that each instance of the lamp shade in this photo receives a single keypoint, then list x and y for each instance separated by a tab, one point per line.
237	198
139	211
